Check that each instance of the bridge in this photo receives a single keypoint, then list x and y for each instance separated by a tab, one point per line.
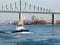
24	7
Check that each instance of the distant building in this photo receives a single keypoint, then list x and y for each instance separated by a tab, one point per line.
49	22
41	18
34	18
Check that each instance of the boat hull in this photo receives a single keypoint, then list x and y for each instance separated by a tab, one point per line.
22	31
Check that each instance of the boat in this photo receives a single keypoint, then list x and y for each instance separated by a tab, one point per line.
20	29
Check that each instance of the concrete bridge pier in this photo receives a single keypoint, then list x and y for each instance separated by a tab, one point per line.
20	17
53	19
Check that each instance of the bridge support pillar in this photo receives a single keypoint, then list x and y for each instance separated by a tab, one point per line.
20	18
53	19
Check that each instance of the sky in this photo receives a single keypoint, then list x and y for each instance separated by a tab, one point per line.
49	4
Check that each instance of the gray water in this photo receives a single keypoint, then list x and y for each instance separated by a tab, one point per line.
42	35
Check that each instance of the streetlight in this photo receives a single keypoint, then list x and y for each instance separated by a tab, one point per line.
16	6
38	8
25	5
34	7
20	6
30	6
2	7
6	7
11	6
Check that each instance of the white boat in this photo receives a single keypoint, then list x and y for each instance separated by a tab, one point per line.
20	29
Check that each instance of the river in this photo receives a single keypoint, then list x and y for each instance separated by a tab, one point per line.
42	35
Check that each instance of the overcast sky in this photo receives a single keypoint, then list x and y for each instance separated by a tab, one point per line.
54	5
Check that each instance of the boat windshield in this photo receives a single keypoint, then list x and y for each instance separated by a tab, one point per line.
19	25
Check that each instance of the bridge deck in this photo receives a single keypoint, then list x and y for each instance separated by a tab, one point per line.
30	12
